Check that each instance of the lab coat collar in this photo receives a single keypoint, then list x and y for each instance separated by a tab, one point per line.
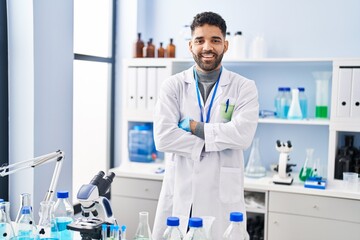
224	79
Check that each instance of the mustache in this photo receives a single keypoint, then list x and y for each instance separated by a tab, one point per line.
208	52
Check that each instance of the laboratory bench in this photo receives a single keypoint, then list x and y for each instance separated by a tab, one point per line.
288	211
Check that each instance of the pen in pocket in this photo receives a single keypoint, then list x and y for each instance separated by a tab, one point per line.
227	105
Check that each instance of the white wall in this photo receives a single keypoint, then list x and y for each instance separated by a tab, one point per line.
40	79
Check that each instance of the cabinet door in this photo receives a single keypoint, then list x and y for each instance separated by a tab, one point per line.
126	211
344	92
296	227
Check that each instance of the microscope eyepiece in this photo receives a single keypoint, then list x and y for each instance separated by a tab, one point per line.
97	178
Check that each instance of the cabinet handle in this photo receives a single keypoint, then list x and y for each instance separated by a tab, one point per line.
315	207
146	189
275	222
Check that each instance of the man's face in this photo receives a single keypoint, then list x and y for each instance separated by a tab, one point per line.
208	46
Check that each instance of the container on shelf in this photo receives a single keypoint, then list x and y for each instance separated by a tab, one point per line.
141	144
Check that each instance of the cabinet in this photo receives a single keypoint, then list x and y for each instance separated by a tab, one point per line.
298	216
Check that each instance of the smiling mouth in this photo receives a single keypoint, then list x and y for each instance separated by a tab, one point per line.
208	56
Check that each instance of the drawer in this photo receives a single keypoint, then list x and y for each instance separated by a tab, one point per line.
315	206
134	187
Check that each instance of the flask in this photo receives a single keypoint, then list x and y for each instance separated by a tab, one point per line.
143	231
26	226
25	200
170	49
239	46
64	214
196	230
254	167
294	110
47	228
236	229
277	102
161	51
6	228
306	170
303	102
141	144
285	102
138	47
172	232
322	93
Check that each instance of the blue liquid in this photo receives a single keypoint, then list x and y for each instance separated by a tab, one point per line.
61	223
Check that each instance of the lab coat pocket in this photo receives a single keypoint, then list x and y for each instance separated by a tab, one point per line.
226	111
230	185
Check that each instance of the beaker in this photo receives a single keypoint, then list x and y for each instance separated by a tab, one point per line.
306	170
6	228
254	167
47	225
322	93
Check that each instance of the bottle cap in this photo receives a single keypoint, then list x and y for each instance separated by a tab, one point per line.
173	221
280	89
2	200
141	127
301	89
287	89
62	194
195	222
236	217
25	210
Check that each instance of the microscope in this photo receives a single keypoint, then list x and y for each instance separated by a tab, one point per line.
95	207
283	168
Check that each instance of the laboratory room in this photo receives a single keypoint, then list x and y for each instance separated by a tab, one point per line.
179	120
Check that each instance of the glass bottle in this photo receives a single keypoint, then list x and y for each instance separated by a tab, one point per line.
64	214
6	228
322	93
254	167
196	230
170	49
285	102
26	225
236	229
306	170
138	47
303	102
277	102
47	227
143	231
172	232
294	110
149	50
25	200
161	51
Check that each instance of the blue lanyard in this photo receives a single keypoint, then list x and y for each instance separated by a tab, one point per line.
212	98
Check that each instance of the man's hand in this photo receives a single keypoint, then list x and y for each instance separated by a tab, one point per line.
185	124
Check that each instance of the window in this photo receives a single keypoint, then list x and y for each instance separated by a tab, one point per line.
94	78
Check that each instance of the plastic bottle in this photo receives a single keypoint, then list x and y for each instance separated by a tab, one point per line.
277	102
303	102
173	232
285	102
161	51
64	214
26	225
239	46
229	53
141	144
295	110
258	48
170	49
236	229
143	231
196	231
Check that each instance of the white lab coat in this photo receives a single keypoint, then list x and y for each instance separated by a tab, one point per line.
209	182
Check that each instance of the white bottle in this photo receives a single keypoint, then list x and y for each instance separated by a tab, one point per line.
26	225
239	46
236	229
196	231
173	232
64	214
295	110
230	51
258	48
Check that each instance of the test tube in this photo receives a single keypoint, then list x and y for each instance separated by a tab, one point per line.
123	232
116	232
103	231
112	232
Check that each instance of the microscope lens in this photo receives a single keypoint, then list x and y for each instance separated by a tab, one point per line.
97	178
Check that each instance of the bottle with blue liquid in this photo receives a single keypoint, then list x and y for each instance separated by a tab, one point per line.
64	214
303	102
285	102
277	102
141	144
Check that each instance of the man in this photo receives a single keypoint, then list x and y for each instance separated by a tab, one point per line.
205	117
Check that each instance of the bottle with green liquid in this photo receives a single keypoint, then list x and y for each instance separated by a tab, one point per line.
306	170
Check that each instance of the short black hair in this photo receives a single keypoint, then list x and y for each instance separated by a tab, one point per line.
210	18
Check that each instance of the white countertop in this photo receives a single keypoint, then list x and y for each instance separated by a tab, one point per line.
333	189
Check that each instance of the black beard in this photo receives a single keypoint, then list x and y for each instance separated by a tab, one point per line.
208	67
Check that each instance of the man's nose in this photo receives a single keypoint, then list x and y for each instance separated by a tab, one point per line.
207	45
